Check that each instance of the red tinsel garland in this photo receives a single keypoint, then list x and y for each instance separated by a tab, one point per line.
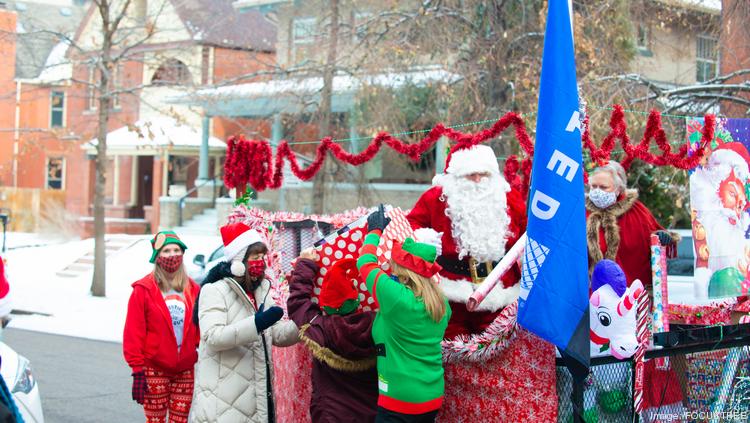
252	161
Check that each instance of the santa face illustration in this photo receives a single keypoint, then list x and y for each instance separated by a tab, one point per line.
732	194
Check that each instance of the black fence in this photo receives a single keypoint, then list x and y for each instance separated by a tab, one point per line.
701	374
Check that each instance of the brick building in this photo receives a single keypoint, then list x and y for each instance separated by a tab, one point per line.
193	43
735	51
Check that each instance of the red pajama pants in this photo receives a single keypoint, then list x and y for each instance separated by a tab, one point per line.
168	392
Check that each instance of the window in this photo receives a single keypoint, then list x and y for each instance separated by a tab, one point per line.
55	172
91	88
303	38
57	109
172	72
706	58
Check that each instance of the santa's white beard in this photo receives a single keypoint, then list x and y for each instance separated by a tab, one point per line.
479	219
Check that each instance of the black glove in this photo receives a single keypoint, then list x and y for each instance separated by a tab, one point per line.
266	318
664	238
140	388
377	220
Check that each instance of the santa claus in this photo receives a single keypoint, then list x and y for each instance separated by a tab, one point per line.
473	217
718	196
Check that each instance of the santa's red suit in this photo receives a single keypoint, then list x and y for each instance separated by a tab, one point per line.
430	211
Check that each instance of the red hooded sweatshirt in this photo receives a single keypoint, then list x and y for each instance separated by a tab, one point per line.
149	338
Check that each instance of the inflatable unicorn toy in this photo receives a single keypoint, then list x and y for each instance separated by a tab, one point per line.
612	311
612	320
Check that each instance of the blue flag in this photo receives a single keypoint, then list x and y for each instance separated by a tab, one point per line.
553	302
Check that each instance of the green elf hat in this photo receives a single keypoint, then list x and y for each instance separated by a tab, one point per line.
338	294
416	256
164	238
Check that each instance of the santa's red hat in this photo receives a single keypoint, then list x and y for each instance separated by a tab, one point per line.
464	160
338	294
733	154
4	286
237	237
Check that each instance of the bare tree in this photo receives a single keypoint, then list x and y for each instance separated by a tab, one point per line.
116	42
324	126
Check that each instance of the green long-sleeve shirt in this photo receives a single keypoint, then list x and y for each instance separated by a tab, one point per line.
410	365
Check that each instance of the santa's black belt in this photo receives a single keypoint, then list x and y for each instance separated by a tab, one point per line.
461	267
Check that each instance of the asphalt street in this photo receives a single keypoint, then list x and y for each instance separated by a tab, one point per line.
80	380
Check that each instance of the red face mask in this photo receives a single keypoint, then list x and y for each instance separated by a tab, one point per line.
170	264
256	268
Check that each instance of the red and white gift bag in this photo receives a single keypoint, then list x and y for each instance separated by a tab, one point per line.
347	245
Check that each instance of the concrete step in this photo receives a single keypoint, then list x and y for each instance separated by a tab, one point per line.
79	267
85	263
197	230
200	221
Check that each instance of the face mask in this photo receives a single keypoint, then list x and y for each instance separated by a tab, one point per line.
601	198
170	264
256	268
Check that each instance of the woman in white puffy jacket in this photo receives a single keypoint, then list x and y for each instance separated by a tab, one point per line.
238	323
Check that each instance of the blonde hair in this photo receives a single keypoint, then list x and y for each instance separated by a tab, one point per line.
424	288
179	283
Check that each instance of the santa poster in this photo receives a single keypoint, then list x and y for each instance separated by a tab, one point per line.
719	191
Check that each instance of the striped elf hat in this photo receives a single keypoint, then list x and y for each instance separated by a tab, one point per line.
164	238
416	256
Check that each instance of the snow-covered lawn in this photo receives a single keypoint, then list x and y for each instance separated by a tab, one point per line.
45	302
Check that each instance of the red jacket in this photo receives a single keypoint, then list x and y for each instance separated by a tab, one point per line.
149	338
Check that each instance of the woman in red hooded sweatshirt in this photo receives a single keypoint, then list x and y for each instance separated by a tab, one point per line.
160	340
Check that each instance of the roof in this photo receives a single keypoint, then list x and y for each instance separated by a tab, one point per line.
216	22
295	95
148	136
33	47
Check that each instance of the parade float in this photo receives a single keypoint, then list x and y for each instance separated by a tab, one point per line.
506	357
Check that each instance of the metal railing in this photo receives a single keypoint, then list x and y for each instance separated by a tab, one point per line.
181	201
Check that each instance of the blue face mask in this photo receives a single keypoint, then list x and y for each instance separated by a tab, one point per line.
601	198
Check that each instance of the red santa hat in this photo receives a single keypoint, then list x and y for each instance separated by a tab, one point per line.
464	160
237	237
734	155
4	286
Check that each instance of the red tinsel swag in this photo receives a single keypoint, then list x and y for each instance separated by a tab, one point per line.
252	161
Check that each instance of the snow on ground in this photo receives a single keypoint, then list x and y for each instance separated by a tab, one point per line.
45	302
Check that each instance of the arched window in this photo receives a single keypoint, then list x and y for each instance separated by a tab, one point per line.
172	72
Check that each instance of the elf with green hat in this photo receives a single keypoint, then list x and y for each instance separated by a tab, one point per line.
160	341
410	368
344	378
164	238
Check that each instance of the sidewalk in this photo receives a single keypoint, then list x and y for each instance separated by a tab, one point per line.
45	302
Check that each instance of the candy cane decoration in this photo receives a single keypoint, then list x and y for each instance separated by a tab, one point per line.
627	302
643	335
659	280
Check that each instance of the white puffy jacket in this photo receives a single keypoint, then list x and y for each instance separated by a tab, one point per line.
230	377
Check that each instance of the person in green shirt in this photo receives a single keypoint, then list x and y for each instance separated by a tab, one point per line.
408	327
